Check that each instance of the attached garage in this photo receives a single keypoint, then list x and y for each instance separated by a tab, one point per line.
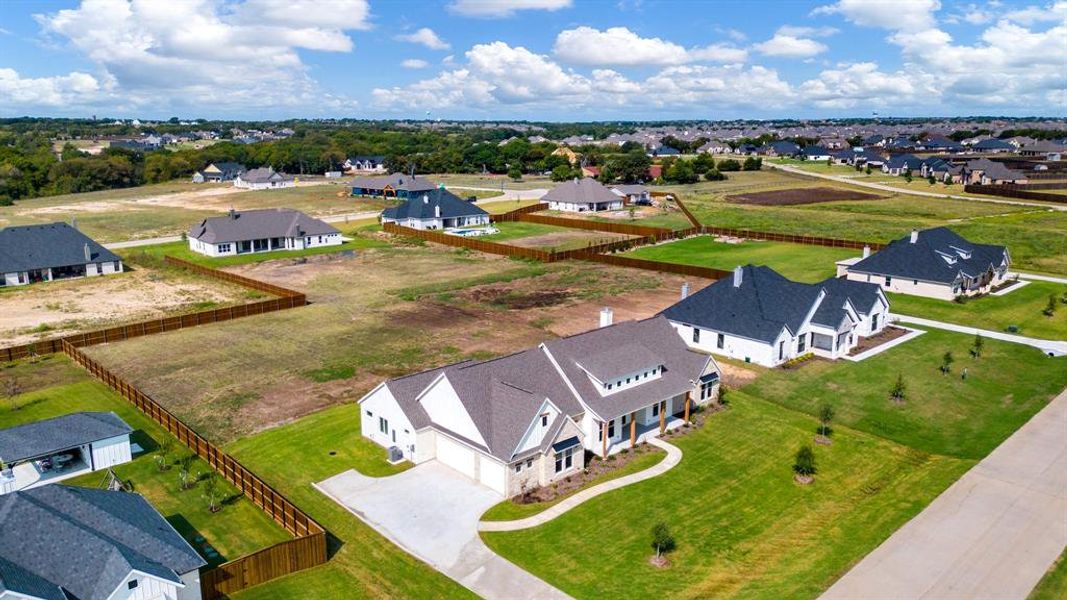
457	456
493	474
110	452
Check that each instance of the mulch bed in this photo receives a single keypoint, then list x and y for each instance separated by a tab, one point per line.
1005	285
797	196
886	335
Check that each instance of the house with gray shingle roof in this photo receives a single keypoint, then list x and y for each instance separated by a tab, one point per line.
396	185
759	316
218	172
527	419
582	195
935	263
263	178
436	209
60	543
990	172
264	230
34	253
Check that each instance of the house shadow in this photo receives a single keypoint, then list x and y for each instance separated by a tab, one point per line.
197	540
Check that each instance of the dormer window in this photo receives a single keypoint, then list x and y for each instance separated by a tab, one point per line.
544	420
131	585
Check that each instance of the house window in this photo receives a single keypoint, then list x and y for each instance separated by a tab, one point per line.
800	343
370	414
874	322
609	386
627	380
655	409
720	341
383	425
915	282
131	585
564	460
544	420
696	335
115	265
706	388
529	463
781	350
518	467
611	428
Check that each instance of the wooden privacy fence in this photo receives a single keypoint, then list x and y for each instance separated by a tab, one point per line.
809	240
307	549
602	226
513	215
652	265
1013	191
459	241
286	299
681	205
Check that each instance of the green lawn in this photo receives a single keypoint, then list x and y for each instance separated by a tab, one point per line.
943	414
744	529
795	261
1022	307
155	253
552	237
509	510
1053	586
363	564
502	206
238	529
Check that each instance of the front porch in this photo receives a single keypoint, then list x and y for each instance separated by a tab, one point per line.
642	433
630	429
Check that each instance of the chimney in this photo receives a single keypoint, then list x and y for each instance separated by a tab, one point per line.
739	274
606	317
866	251
88	254
233	213
914	235
685	290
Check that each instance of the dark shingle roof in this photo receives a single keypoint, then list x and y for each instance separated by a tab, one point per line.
112	533
905	161
263	175
423	206
580	191
396	181
29	247
258	224
20	581
928	258
49	436
993	169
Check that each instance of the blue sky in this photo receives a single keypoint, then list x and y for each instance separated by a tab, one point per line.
532	59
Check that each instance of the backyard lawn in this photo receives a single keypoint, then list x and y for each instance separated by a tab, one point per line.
155	253
548	237
744	529
363	564
942	414
795	261
1022	307
238	529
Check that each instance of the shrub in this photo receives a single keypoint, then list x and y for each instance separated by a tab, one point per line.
946	362
1051	308
729	165
804	464
826	415
899	390
662	540
714	175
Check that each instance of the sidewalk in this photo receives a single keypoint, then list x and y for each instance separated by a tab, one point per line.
674	456
992	534
1050	347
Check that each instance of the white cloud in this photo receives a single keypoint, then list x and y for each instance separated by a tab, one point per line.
621	47
863	84
426	37
192	55
1035	14
59	91
414	63
503	8
888	14
789	46
797	31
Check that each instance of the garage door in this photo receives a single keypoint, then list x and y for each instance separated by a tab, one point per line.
455	455
492	474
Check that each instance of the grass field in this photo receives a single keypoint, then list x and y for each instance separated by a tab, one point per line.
744	529
1022	307
239	528
502	206
495	182
548	237
943	414
155	253
795	261
363	564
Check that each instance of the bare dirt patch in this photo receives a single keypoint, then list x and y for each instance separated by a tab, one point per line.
796	196
736	377
517	299
567	239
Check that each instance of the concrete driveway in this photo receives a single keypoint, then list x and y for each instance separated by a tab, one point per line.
432	512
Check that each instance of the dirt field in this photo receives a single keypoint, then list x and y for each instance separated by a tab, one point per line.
792	197
567	240
379	314
58	308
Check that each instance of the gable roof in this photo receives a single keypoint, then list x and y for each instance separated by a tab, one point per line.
114	533
424	206
580	191
229	167
395	181
905	161
29	247
928	257
815	151
264	175
993	169
258	224
50	436
993	144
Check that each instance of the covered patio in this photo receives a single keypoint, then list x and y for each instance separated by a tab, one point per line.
43	471
630	429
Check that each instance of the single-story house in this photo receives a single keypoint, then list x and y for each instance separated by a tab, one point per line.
990	172
780	148
33	253
935	263
1044	149
582	195
633	194
46	451
759	316
217	172
527	419
816	153
714	147
661	150
263	230
63	542
397	185
263	178
900	164
942	170
436	209
993	145
371	164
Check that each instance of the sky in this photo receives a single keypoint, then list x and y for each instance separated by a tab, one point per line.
542	60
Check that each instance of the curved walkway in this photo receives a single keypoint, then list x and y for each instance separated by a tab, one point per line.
674	456
1052	347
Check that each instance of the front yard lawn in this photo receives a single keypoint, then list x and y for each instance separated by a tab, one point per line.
942	414
238	529
798	262
155	253
363	564
1021	307
744	529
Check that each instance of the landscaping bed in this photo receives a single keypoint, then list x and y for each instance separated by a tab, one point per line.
884	336
793	197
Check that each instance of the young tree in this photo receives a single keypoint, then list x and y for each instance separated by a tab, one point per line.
212	492
931	179
976	349
1051	308
804	463
724	395
184	463
662	540
826	415
562	173
633	211
12	391
946	362
166	445
899	390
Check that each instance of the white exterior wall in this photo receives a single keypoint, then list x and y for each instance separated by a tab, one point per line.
493	474
381	404
428	224
300	243
270	185
582	207
899	285
737	347
111	452
148	588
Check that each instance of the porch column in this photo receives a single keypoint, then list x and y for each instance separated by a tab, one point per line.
688	400
662	417
633	429
604	437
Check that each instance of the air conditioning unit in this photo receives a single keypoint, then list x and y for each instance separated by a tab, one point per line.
395	454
